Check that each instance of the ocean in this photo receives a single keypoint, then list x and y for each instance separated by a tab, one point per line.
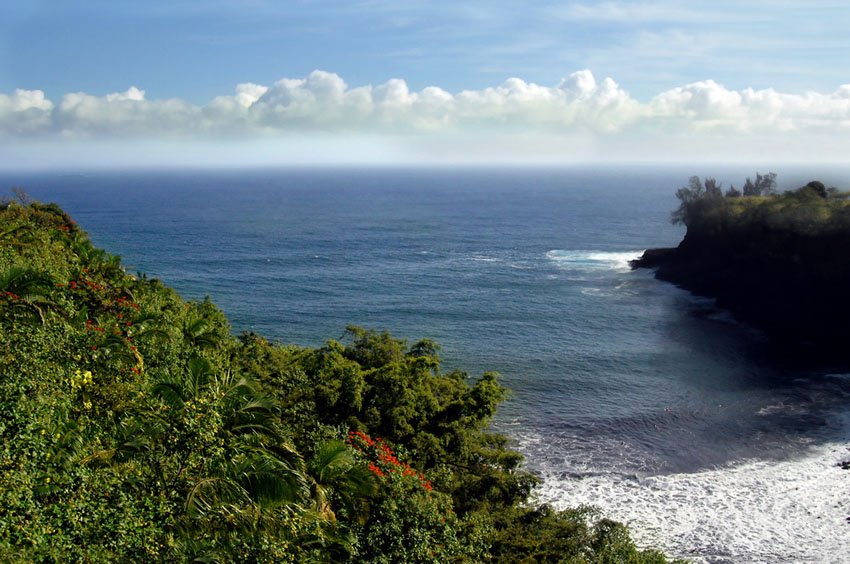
627	393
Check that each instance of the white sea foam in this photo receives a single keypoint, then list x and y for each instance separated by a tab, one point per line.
485	258
758	511
593	260
597	292
782	407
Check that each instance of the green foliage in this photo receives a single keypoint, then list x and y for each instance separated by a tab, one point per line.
578	535
697	201
810	210
135	428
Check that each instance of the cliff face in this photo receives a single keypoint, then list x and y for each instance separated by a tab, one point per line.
794	286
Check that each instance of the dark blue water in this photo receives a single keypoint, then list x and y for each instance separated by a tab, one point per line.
519	271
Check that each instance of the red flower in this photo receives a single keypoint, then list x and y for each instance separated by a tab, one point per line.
384	459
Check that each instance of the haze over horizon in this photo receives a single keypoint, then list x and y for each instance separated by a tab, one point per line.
255	82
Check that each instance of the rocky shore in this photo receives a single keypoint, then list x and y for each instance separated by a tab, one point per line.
794	286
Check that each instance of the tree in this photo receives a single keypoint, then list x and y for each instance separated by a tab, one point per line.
688	196
696	198
334	474
713	188
765	185
22	196
818	188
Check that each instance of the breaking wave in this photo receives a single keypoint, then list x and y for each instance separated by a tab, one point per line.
588	261
789	511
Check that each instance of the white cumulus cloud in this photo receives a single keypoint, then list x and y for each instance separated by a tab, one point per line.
579	109
122	114
24	112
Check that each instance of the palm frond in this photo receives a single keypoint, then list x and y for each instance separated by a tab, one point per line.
171	393
200	332
27	283
116	347
199	375
332	459
270	479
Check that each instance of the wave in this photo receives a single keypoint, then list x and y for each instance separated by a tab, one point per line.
485	258
584	261
756	511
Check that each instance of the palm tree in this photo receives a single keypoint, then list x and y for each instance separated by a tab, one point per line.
26	290
200	332
335	473
256	472
87	254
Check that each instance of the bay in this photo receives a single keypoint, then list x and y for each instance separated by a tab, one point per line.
627	393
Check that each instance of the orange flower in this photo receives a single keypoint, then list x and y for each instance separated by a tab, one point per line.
375	470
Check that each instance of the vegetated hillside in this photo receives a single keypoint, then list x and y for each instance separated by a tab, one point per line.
778	261
136	428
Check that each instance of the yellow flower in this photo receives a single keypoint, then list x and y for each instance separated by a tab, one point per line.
80	379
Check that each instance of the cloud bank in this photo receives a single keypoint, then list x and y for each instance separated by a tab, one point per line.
579	108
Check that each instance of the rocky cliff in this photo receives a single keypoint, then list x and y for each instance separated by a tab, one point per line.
792	283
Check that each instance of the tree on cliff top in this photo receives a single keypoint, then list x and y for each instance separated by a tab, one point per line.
765	185
696	195
702	199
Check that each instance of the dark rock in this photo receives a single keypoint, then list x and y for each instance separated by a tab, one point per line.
653	258
795	287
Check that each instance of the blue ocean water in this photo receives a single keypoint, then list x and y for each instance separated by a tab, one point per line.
617	378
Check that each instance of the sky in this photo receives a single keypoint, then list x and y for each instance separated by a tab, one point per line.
263	82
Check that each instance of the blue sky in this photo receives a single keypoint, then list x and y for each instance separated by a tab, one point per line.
151	78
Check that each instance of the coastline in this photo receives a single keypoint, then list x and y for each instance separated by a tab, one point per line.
772	511
791	289
775	264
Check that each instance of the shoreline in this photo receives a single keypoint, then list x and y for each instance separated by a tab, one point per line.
751	510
